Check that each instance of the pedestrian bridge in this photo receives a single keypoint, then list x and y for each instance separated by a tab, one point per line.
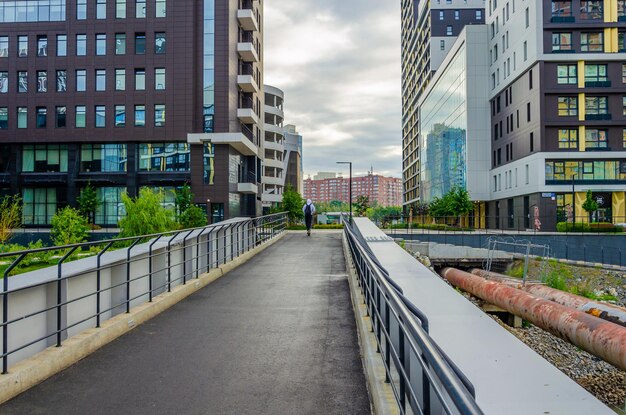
245	318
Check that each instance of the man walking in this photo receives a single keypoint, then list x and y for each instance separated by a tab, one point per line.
309	210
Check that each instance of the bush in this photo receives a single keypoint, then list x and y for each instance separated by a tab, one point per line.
192	217
10	216
555	280
145	215
603	227
69	227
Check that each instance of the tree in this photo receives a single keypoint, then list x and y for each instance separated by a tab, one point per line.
69	227
183	199
145	215
10	216
361	205
88	202
292	204
192	217
589	204
461	204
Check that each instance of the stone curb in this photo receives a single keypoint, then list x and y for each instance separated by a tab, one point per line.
382	399
32	371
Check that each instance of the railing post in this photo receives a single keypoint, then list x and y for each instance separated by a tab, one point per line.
60	293
185	257
99	282
198	253
5	314
150	267
169	262
128	273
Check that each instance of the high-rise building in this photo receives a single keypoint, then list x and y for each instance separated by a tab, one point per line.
293	158
273	168
384	191
429	30
130	94
558	111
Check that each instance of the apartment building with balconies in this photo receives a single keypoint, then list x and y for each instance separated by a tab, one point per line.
273	167
125	94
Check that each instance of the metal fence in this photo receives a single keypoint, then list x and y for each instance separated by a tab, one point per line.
423	379
42	308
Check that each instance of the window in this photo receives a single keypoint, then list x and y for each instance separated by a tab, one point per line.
442	44
441	16
101	44
159	79
60	117
567	106
595	138
120	9
624	138
140	43
62	81
567	74
4	46
101	9
595	73
4	82
42	81
120	116
81	80
4	118
527	17
22	81
591	9
457	15
479	14
61	45
624	105
209	163
528	112
100	116
164	157
81	9
140	79
140	9
41	113
42	46
532	144
448	30
22	46
103	157
561	8
120	43
525	51
159	115
111	209
120	79
39	206
160	8
530	79
624	73
568	139
592	42
140	115
596	105
101	80
561	41
159	43
22	117
81	45
80	116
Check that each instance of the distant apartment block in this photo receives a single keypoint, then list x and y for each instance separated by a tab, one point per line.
385	191
274	165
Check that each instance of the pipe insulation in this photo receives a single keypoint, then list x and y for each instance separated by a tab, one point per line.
601	338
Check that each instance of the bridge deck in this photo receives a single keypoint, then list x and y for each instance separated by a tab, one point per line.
274	336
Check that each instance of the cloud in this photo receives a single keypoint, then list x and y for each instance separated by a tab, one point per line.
338	63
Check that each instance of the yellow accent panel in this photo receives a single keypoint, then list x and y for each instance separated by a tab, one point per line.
608	39
581	106
610	10
581	214
619	207
614	10
581	74
581	138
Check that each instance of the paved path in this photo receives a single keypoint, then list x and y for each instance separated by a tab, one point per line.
275	336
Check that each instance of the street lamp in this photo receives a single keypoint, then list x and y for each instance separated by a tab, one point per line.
573	199
350	184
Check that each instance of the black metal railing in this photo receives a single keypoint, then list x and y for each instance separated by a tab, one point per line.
173	258
436	385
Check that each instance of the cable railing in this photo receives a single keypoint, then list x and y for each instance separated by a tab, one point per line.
423	379
43	308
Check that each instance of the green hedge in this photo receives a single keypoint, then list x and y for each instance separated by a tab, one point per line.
603	227
433	227
320	226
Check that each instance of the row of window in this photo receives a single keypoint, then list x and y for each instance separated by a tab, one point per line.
80	116
32	11
80	85
595	138
159	45
585	170
589	42
596	107
120	9
478	14
589	10
508	179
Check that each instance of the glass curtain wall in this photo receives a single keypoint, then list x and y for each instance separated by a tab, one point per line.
209	66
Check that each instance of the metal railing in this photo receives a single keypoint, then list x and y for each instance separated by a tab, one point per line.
42	309
423	379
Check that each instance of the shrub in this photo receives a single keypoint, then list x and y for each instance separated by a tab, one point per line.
192	217
10	216
69	227
88	202
556	280
603	227
145	215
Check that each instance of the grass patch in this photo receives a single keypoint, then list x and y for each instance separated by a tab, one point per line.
516	271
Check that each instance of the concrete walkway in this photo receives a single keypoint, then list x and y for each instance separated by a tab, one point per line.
275	336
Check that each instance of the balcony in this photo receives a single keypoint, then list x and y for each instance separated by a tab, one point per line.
246	48
247	83
273	145
274	163
239	141
246	112
276	181
247	20
247	183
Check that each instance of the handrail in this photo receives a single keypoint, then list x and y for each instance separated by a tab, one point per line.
451	389
155	269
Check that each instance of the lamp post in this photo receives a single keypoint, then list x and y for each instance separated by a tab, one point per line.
208	211
573	200
350	184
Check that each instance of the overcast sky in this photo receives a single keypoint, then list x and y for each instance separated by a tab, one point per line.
338	62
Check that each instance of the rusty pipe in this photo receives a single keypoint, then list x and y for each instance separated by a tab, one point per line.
609	312
598	337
